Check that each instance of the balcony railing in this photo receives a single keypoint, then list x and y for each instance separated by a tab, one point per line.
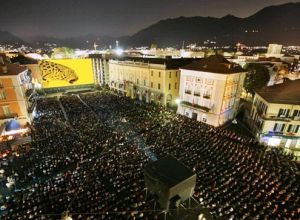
206	96
12	115
276	118
204	108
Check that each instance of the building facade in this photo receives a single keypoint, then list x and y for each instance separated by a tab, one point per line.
100	64
15	87
210	90
150	80
276	115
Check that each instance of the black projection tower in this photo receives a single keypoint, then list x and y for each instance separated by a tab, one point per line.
170	180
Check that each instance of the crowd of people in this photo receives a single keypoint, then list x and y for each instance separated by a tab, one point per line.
89	150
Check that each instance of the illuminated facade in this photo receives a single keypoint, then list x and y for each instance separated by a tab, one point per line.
276	115
274	50
210	90
150	80
100	68
15	83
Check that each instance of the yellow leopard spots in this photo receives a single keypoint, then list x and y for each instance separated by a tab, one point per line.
53	71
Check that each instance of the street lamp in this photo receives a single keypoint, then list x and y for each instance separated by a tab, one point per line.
177	101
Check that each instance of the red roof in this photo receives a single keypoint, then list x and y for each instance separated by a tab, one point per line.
215	64
287	92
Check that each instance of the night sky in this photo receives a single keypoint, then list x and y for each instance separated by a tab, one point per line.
67	18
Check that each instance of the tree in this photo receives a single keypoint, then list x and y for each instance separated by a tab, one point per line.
257	77
63	52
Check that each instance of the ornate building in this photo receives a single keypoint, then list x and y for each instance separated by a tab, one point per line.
210	90
148	79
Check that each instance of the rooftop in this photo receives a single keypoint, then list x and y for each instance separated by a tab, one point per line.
12	69
287	92
214	64
171	63
169	171
23	60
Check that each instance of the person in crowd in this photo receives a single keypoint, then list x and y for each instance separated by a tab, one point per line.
89	151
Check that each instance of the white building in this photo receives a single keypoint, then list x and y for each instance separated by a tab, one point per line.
274	50
101	68
210	90
276	115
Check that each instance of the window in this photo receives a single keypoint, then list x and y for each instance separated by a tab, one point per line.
279	127
207	93
1	83
2	94
151	73
6	110
283	112
169	86
159	74
199	80
144	82
170	74
190	78
296	113
209	81
176	74
158	85
260	106
176	85
293	128
137	81
151	84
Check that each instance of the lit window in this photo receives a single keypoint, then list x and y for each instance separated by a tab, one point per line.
2	95
7	111
296	113
293	128
279	127
283	113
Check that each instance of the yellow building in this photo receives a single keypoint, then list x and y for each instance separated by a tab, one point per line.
276	115
210	90
149	79
15	83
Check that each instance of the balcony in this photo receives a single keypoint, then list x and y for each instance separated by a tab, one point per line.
204	108
10	116
276	118
206	96
295	118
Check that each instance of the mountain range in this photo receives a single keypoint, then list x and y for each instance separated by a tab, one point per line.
273	24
